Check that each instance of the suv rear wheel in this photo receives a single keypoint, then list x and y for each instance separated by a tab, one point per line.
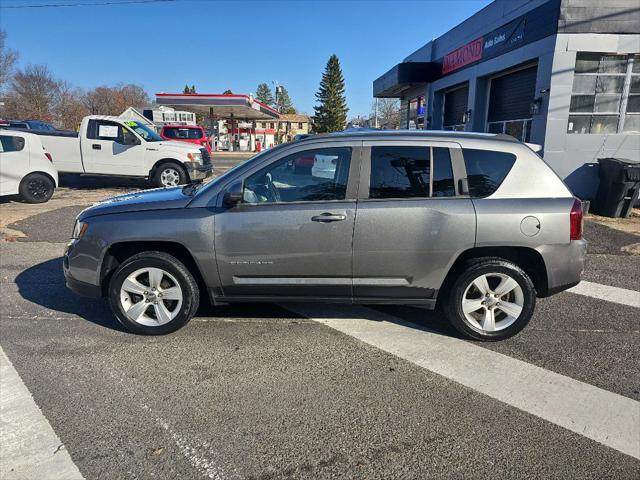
153	293
36	188
492	299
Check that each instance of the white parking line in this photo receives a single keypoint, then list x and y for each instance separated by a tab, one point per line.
29	448
610	294
608	418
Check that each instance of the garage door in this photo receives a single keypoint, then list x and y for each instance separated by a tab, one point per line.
455	105
510	101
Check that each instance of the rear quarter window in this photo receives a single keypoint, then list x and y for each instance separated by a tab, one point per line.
10	143
486	170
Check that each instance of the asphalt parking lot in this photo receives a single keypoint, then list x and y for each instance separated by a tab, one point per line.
309	391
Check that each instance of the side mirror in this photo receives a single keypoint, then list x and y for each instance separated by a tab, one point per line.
231	199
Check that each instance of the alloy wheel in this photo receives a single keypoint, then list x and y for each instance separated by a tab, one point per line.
492	302
151	296
38	188
170	177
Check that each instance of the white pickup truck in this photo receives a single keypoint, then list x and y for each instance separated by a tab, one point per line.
117	147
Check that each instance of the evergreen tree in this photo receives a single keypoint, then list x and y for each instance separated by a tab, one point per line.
193	89
331	113
186	89
264	95
284	103
227	92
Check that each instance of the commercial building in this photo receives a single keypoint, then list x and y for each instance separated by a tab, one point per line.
561	73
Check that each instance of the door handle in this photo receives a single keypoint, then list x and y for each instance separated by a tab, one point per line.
96	146
329	217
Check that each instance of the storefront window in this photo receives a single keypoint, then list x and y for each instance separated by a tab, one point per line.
422	107
413	113
605	94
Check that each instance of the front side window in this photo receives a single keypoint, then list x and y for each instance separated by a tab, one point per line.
604	94
486	170
309	176
410	172
11	143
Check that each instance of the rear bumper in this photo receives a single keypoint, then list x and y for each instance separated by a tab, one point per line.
565	264
197	171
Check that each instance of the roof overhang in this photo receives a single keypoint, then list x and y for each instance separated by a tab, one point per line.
242	107
405	76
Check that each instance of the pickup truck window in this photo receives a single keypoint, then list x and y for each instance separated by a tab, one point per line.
11	143
308	176
105	130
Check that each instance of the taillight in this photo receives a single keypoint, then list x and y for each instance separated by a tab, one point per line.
575	221
49	156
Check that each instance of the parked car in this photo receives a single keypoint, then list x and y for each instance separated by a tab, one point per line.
113	146
26	168
476	223
186	133
33	126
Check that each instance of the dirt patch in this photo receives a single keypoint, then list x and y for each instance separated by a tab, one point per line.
629	225
13	210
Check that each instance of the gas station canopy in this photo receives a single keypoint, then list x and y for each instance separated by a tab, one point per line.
223	106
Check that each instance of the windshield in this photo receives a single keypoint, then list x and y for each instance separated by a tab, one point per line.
144	131
183	133
205	186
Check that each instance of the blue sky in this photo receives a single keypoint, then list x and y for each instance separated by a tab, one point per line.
218	45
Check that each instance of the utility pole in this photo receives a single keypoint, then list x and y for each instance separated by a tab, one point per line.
277	89
375	114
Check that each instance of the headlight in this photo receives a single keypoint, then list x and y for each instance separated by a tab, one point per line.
195	157
79	229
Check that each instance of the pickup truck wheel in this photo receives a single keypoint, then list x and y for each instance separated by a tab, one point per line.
492	299
169	175
153	293
36	188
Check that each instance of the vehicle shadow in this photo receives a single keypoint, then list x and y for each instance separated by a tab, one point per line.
44	285
81	182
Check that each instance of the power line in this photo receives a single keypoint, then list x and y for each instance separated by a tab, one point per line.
54	5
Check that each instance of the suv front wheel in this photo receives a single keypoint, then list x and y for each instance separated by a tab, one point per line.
492	299
153	293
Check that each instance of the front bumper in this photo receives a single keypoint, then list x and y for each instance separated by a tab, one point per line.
198	171
78	287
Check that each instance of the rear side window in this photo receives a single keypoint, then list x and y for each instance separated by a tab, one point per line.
406	172
10	143
486	170
183	133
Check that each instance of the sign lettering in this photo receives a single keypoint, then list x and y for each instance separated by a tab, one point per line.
464	55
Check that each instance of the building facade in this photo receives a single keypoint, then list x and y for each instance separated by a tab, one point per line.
564	74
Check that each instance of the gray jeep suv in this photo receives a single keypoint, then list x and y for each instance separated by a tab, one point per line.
476	223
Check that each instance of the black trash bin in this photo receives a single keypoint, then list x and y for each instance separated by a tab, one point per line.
619	187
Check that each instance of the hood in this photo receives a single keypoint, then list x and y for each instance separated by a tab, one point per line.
156	199
185	147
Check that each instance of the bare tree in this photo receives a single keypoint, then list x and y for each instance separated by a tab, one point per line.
115	100
388	112
8	59
33	94
69	108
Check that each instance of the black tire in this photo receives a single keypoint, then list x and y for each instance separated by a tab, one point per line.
179	171
487	266
36	188
176	269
